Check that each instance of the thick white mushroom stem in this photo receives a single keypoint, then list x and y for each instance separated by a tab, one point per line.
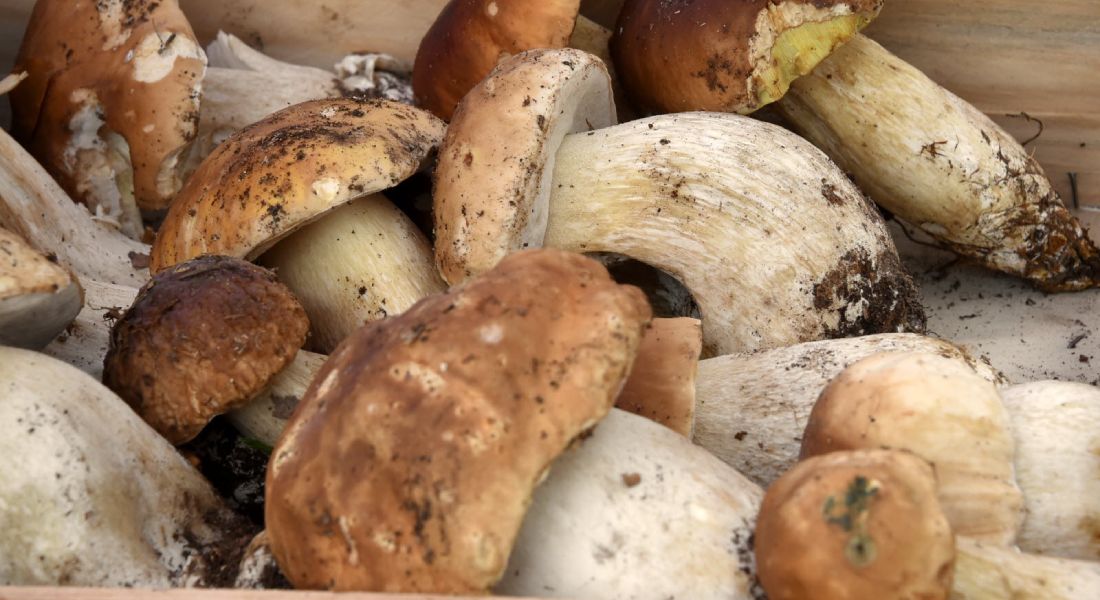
938	163
988	572
751	409
35	207
774	242
362	262
93	496
1057	430
85	343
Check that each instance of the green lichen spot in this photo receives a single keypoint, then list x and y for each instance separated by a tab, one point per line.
851	515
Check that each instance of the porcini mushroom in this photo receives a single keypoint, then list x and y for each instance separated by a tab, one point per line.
308	177
38	298
111	101
743	213
637	511
202	337
751	409
940	410
857	524
92	496
661	386
682	55
508	370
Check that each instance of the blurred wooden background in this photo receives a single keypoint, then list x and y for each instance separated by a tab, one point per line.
1008	57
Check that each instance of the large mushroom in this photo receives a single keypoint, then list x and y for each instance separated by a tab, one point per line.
506	371
38	298
743	213
300	192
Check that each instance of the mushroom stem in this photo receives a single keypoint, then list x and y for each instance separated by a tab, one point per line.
35	207
743	213
361	262
995	573
938	163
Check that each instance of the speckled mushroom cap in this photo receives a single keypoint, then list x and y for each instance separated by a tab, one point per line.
131	66
469	38
200	339
717	55
289	169
858	524
38	298
492	183
411	460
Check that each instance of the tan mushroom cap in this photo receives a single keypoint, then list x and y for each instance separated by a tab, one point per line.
661	386
202	338
513	122
38	298
860	524
289	169
133	67
716	55
469	38
411	460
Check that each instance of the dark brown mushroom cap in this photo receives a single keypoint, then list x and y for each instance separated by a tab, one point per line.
469	38
201	338
137	60
718	55
411	460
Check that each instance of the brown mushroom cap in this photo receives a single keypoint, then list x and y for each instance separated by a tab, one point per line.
717	55
411	460
202	338
289	169
492	183
860	524
469	38
131	67
661	386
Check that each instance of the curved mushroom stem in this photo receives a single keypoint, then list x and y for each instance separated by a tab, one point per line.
35	207
987	571
773	241
938	163
361	262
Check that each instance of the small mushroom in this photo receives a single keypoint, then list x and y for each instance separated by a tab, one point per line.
303	183
38	298
857	524
683	55
743	213
661	386
637	511
92	496
1056	425
940	410
751	409
411	461
202	337
470	37
111	101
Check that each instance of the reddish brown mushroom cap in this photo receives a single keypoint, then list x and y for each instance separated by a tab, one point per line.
411	460
95	68
470	37
717	55
202	337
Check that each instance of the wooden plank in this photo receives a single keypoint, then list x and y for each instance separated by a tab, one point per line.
67	593
1009	57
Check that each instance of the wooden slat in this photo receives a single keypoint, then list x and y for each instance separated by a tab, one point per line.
1009	57
64	593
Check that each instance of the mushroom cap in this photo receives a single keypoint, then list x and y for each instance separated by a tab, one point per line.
492	183
661	386
201	339
411	460
285	171
716	55
133	67
859	524
38	298
941	410
469	38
